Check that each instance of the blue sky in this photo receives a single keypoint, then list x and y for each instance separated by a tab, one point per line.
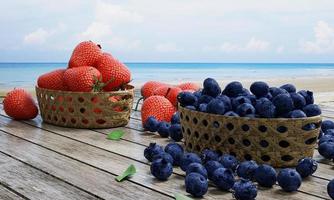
171	30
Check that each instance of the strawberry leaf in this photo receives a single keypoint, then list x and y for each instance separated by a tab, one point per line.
131	170
115	135
181	197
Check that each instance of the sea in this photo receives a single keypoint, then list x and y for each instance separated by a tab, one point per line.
25	74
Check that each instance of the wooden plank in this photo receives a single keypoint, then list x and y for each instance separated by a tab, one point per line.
88	178
6	194
35	184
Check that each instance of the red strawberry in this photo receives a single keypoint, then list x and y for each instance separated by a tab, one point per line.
148	88
53	80
19	105
189	86
85	54
158	107
114	73
169	92
82	79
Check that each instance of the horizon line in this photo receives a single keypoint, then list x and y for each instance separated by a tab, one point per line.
172	62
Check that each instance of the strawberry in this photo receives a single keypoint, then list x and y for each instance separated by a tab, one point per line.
53	80
148	88
114	73
158	107
85	54
19	105
189	86
169	92
83	79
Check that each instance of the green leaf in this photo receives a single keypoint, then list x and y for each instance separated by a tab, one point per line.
181	197
131	170
115	135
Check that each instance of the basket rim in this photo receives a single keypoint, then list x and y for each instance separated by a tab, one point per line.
255	118
130	89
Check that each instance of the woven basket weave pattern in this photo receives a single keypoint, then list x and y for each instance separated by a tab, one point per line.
278	142
85	109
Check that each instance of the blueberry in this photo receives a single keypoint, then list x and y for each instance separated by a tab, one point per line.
191	107
202	107
223	178
265	175
312	110
330	189
196	184
227	102
326	149
329	132
175	132
163	129
289	180
229	161
252	98
216	106
308	95
269	96
297	114
198	93
231	114
187	98
265	108
233	89
161	169
274	91
211	87
205	99
176	151
151	124
152	150
197	168
259	89
208	154
327	124
245	92
283	103
289	88
187	159
245	109
176	118
244	190
326	138
211	166
298	100
165	156
306	167
247	169
239	100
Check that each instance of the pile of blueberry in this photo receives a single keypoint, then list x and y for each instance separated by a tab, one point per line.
225	171
326	141
261	101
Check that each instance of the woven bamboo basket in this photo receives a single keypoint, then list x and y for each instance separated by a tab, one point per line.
279	142
86	109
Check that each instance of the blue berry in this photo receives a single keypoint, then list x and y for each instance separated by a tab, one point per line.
247	169
196	184
289	88
211	87
259	89
223	178
226	100
306	167
265	108
312	110
330	189
163	129
211	166
187	99
239	100
244	190
244	92
205	99
176	151
283	103
274	91
252	98
297	114
161	169
208	154
175	132
289	180
189	158
197	168
165	156
326	149
298	100
327	124
202	107
265	175
245	109
326	138
233	89
176	118
329	132
151	124
216	106
152	150
229	161
231	114
308	95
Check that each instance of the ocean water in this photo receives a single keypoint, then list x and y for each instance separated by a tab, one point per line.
25	74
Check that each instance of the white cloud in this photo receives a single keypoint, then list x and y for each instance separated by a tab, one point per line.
323	39
96	31
253	45
41	35
168	47
280	49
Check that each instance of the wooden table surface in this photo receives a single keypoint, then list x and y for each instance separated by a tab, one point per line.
42	161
